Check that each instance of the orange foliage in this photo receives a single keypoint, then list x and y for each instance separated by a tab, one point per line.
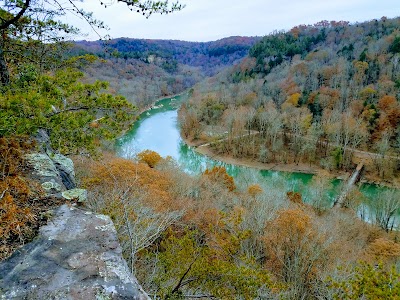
19	219
387	102
295	32
11	155
121	174
219	174
203	217
357	107
295	250
151	158
14	219
383	249
328	97
292	223
254	190
312	97
390	113
94	124
328	72
295	197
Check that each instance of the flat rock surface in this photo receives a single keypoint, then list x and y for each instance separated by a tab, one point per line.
76	256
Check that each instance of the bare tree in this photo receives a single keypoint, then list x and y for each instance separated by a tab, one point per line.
384	209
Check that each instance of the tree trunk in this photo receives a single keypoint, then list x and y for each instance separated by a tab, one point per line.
4	74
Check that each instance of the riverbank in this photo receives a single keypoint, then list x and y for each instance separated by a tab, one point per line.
149	107
305	168
295	168
202	147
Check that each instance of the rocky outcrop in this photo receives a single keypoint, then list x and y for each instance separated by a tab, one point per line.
55	172
76	256
79	194
65	168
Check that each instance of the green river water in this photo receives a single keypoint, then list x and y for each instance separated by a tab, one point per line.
157	130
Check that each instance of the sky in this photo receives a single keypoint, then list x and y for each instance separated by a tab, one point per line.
209	20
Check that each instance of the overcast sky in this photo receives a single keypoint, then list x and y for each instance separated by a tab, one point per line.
208	20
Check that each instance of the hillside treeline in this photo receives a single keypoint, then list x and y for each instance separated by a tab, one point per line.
144	70
313	94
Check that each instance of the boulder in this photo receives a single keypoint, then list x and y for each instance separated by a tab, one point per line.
52	186
80	194
64	165
75	256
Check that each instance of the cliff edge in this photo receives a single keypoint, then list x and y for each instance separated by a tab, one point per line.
76	256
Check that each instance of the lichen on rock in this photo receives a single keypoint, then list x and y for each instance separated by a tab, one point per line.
80	194
64	162
42	164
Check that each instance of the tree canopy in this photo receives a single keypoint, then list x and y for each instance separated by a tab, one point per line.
75	115
42	85
38	20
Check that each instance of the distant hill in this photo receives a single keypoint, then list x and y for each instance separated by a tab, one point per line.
143	70
209	56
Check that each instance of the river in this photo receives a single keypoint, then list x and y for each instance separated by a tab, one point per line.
157	130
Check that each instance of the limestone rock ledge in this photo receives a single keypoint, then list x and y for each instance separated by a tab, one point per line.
76	256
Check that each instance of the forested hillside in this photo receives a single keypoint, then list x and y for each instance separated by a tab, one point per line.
313	94
144	70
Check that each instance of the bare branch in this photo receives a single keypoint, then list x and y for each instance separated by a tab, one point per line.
3	193
67	110
16	17
178	286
